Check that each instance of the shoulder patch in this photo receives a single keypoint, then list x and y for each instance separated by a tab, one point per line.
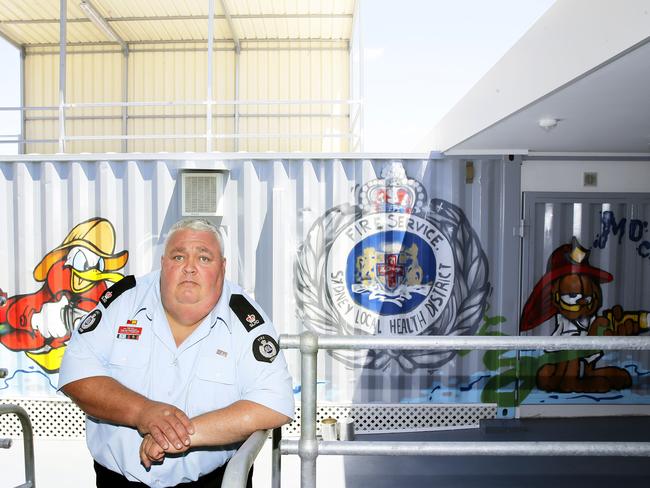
245	312
90	322
117	289
265	349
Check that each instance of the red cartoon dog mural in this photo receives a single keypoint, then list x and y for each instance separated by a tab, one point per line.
74	276
570	291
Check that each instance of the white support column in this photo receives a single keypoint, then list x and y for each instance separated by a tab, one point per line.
22	146
352	63
62	66
125	98
208	110
236	107
361	80
235	40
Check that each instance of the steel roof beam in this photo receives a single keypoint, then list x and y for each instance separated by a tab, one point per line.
186	41
100	22
155	18
39	21
233	16
231	26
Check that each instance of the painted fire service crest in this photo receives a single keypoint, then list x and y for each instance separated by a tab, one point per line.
394	264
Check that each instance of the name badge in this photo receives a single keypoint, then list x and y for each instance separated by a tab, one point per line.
129	332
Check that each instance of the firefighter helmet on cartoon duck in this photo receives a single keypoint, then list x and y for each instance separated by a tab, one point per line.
95	259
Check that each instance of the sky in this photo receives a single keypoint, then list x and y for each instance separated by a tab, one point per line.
9	94
420	58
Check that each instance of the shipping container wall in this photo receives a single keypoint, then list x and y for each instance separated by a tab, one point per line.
299	71
586	272
399	248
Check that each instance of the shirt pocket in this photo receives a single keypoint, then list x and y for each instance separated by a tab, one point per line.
128	363
214	385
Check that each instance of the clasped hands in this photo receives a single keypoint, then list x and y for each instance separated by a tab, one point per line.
165	429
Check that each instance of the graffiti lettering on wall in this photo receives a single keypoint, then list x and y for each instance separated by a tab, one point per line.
570	293
74	276
393	264
634	230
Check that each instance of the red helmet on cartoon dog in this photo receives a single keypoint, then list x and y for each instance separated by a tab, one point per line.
565	260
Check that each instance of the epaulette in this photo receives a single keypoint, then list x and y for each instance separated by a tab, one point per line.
117	289
245	312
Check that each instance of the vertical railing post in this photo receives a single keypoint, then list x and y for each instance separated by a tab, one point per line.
361	77
236	107
28	441
125	98
208	108
308	446
62	67
276	459
22	147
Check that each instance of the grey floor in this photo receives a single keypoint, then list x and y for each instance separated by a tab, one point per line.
517	471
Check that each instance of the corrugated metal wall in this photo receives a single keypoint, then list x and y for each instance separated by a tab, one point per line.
300	70
271	210
614	227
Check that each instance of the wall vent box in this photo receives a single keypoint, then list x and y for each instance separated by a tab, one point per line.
201	193
589	179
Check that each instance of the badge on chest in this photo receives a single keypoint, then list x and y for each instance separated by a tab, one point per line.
130	331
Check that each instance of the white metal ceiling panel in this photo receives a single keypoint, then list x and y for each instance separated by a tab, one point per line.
36	22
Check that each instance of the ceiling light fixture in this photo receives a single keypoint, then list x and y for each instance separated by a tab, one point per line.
100	22
547	123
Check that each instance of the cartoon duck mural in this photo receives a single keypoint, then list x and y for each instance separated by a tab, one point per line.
74	276
570	292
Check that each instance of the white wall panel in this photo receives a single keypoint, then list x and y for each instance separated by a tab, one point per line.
90	78
302	75
178	73
41	90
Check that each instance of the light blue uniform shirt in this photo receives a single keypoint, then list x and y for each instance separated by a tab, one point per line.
219	363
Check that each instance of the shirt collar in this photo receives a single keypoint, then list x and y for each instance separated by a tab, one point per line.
221	312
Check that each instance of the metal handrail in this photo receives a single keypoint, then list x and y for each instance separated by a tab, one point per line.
459	343
309	448
505	448
28	442
164	103
239	466
349	133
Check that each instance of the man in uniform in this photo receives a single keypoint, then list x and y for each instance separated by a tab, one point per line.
176	368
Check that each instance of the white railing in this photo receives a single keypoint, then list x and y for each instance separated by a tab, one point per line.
352	134
309	447
28	441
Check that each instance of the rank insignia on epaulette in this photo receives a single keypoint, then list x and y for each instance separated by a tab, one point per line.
117	289
246	313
